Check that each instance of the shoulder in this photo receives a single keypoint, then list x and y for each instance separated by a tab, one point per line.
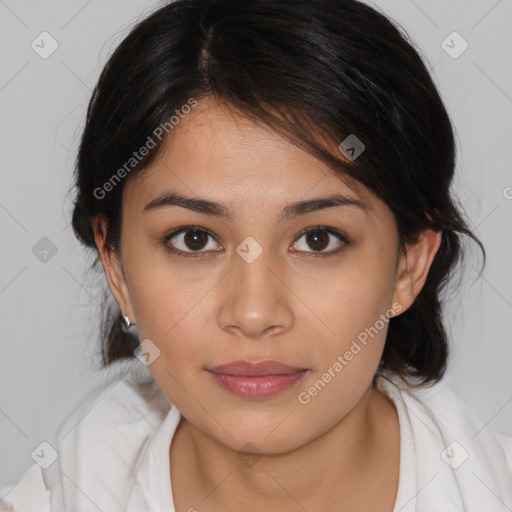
129	395
99	441
439	401
445	437
439	408
28	494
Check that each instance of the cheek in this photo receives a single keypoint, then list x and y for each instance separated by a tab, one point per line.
169	311
347	301
163	291
171	314
168	303
354	311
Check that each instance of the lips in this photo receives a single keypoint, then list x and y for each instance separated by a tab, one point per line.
249	369
259	380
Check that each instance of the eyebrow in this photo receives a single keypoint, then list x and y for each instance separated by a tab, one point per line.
291	210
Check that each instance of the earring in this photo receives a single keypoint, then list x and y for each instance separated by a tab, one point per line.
127	321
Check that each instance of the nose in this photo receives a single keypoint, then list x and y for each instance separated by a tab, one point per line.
255	299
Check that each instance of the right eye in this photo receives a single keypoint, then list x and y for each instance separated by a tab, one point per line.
188	240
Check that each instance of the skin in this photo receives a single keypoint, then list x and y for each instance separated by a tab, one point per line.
341	450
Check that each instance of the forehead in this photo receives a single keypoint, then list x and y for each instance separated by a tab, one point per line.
217	152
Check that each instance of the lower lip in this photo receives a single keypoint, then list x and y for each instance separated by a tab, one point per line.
261	386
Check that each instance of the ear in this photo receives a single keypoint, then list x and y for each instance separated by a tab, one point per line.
413	267
113	267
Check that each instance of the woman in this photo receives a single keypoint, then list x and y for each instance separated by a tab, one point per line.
267	187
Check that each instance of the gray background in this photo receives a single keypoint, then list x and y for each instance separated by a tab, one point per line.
49	308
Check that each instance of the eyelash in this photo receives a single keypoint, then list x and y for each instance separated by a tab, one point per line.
198	254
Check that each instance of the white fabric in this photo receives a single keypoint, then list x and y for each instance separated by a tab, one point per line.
113	454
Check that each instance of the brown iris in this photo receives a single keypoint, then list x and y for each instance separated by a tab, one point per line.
317	239
195	240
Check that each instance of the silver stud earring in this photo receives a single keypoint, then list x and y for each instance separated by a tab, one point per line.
127	321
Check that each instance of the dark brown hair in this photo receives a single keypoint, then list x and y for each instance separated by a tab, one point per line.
316	71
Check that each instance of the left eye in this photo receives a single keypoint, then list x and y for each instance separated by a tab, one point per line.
320	238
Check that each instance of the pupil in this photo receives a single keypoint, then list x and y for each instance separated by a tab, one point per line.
194	237
318	238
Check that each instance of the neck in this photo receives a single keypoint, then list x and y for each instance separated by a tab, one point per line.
332	469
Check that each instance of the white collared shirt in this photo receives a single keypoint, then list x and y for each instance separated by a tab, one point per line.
113	454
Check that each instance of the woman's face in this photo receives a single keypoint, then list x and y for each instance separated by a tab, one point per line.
251	286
